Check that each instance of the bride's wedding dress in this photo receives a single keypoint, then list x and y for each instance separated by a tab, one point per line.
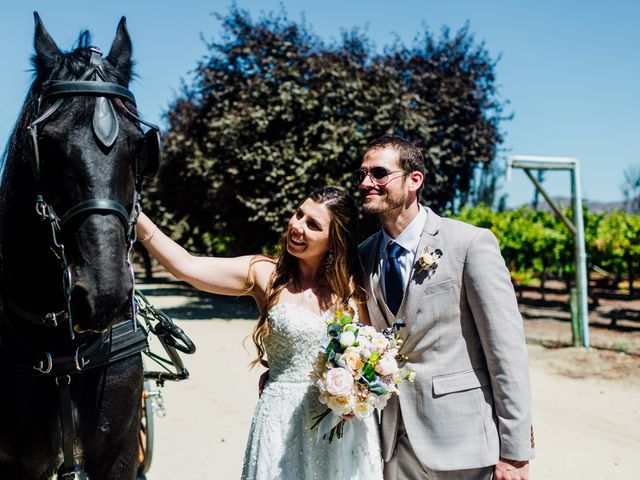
281	444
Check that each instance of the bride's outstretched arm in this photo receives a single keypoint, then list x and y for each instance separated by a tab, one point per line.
224	276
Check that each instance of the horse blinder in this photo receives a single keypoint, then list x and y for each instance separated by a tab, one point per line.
148	160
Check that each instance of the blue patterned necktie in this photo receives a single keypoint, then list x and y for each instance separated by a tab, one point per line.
393	283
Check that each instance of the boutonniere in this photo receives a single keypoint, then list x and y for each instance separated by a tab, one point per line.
428	261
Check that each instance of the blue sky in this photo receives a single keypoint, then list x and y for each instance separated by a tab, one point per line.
570	69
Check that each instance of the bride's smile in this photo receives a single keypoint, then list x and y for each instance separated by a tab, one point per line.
308	231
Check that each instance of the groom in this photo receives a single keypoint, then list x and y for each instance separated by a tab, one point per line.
468	414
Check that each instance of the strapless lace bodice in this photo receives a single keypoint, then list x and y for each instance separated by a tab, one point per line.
294	342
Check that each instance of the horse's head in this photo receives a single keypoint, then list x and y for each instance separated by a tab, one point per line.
88	153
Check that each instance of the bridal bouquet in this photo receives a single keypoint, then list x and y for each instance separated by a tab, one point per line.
361	372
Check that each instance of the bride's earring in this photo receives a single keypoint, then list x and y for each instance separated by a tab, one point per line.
328	261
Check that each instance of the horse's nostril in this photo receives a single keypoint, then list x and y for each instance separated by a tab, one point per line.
96	308
81	305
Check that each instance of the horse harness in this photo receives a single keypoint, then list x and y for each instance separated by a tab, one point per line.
105	126
124	339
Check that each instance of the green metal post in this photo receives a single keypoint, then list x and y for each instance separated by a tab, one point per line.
576	339
580	256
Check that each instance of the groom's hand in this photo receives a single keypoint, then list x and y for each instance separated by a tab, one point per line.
507	469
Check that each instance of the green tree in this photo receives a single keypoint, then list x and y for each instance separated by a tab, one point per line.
454	110
274	112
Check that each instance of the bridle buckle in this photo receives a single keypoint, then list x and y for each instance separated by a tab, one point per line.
51	319
81	362
41	365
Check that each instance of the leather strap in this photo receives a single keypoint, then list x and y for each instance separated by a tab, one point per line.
152	126
87	352
96	205
52	319
88	87
68	428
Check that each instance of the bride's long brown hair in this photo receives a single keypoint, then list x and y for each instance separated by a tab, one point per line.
343	273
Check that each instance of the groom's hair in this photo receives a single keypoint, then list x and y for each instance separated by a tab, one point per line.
410	156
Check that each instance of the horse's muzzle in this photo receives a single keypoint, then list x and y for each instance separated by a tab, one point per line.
94	310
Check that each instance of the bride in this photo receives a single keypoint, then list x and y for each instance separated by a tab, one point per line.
317	272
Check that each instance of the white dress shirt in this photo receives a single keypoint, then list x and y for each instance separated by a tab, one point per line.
409	239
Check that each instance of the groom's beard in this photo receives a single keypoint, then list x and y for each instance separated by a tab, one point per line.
383	203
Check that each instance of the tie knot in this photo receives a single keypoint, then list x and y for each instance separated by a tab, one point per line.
394	250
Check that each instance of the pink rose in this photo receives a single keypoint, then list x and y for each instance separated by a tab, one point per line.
351	358
339	382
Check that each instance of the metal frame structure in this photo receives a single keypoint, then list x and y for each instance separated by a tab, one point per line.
579	304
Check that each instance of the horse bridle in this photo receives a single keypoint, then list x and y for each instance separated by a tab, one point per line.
105	125
110	346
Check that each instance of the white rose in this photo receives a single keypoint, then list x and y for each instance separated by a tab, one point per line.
365	342
368	331
341	405
380	342
351	358
387	365
377	401
339	382
362	409
347	338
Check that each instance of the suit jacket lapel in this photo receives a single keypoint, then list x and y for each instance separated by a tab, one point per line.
416	283
387	317
429	238
377	308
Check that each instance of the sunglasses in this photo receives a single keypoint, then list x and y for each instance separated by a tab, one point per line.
379	175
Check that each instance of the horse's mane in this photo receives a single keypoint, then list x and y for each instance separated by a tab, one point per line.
69	65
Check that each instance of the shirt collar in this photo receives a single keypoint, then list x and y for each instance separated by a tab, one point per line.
409	238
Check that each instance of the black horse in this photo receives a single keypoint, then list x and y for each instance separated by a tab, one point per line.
72	373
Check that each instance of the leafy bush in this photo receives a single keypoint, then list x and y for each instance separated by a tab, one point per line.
274	112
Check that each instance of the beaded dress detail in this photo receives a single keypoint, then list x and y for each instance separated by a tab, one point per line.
281	444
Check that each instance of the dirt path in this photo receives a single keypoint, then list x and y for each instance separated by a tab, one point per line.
586	428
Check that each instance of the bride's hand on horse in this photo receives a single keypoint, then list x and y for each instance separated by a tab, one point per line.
246	275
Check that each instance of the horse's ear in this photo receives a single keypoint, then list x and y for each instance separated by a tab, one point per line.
120	53
47	52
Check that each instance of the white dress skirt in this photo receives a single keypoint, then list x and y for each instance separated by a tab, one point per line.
281	443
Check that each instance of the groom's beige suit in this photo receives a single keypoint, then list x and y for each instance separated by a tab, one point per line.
470	402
